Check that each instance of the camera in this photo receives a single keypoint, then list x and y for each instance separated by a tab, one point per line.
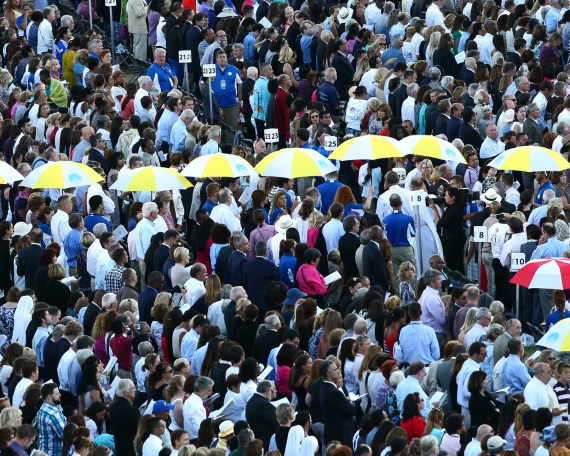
470	196
439	198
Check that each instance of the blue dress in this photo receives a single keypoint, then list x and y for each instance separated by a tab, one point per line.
554	318
287	269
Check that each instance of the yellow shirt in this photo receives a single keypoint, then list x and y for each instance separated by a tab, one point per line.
67	67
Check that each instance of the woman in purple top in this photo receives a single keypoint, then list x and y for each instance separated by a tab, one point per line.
548	50
263	232
157	9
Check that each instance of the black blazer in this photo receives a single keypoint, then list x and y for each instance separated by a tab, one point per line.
222	264
28	263
95	155
245	336
262	11
469	102
348	244
345	74
483	410
514	58
469	135
431	118
446	60
40	280
374	266
235	269
247	63
441	125
256	274
260	415
400	96
263	345
57	294
339	414
193	38
91	314
160	257
453	125
5	266
452	223
467	75
124	420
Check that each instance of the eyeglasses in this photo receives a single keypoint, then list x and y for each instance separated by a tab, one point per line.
551	358
169	372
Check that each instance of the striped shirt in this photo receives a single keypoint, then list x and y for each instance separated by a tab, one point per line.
563	395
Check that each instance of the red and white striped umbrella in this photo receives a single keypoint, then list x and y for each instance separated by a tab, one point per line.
548	273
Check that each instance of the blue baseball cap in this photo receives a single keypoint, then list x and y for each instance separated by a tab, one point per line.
161	406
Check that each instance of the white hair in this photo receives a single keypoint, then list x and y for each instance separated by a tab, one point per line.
123	387
143	80
149	208
187	114
159	50
66	20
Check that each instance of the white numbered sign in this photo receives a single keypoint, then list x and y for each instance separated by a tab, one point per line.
518	260
110	2
417	197
331	142
209	71
184	56
271	135
480	234
401	172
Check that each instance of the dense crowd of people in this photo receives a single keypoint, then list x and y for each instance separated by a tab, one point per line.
271	316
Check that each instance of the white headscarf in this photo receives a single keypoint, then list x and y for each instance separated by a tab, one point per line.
294	440
22	318
309	446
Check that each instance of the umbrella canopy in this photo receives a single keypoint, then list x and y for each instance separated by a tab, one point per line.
430	146
150	179
62	174
293	163
530	159
218	165
369	147
558	337
9	174
548	273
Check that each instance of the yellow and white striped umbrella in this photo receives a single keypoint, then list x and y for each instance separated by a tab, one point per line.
430	146
369	147
530	159
293	163
150	179
62	174
218	165
8	174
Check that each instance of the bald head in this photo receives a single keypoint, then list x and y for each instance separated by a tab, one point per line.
483	430
360	327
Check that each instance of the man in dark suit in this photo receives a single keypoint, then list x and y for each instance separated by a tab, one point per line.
467	132
468	71
515	57
256	274
348	244
445	175
237	50
98	145
454	122
402	93
237	260
29	258
262	10
123	416
338	411
530	126
344	70
432	111
260	414
373	263
267	341
161	254
192	40
444	108
147	297
93	311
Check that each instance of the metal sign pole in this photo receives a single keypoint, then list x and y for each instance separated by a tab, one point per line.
480	262
187	78
112	35
418	241
90	16
211	107
518	302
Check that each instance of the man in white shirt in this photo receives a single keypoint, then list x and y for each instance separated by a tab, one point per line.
477	354
409	103
492	146
513	245
538	393
45	33
222	213
153	444
60	221
30	374
434	16
145	84
478	333
144	231
94	250
107	240
373	13
333	230
562	129
193	410
511	194
417	39
487	45
474	447
213	144
195	288
190	339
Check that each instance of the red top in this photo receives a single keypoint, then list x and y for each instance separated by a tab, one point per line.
203	256
391	341
128	110
281	121
164	347
414	427
122	349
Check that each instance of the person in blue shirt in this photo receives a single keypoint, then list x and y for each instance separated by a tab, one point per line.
328	191
279	207
559	299
249	52
71	243
212	200
287	264
544	183
515	373
95	215
345	196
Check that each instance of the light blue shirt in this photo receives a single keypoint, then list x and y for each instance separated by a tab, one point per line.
551	20
189	344
165	124
397	29
462	42
409	386
211	147
248	52
537	214
487	365
463	393
39	343
72	247
198	359
79	192
178	136
79	150
272	361
146	231
101	283
553	248
419	343
260	98
515	375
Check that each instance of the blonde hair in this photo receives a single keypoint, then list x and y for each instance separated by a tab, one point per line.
284	412
285	54
50	63
392	303
180	253
316	219
241	305
9	416
176	384
405	266
470	320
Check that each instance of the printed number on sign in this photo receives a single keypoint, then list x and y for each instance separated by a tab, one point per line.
417	197
208	71
271	135
518	260
480	234
331	142
110	2
184	56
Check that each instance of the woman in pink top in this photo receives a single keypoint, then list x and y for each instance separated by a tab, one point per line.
284	360
315	221
310	280
263	232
